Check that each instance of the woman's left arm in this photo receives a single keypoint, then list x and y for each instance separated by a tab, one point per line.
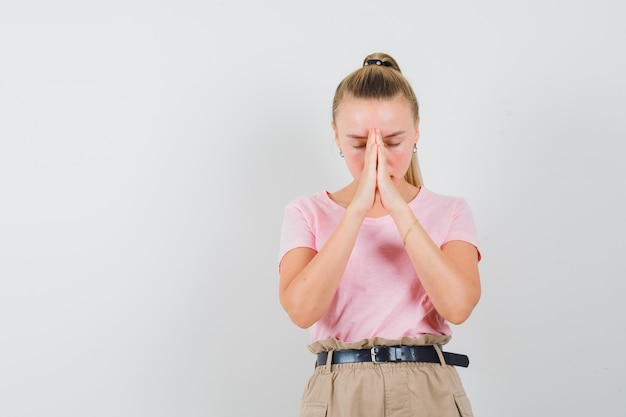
448	274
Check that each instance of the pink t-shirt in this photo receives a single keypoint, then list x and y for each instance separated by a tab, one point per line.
380	294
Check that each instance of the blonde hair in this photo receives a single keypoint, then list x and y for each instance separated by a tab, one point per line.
380	78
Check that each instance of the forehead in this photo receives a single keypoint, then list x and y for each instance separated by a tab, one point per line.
365	113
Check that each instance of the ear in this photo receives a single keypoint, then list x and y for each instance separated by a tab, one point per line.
336	133
417	130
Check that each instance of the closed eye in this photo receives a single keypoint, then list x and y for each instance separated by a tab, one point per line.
358	141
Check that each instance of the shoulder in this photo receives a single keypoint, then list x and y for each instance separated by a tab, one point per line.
438	201
308	203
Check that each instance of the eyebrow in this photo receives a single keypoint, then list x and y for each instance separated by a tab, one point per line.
360	137
398	133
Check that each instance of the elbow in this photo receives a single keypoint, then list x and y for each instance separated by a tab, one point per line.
459	313
301	321
298	314
458	317
302	317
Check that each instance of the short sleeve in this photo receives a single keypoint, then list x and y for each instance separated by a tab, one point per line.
462	226
296	230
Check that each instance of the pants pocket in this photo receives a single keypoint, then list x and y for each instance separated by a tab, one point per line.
463	405
313	409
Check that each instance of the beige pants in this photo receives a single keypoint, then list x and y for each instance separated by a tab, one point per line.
400	389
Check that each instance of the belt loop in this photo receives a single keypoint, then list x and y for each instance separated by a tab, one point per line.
329	362
440	354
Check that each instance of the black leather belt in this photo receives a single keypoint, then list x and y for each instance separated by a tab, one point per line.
378	354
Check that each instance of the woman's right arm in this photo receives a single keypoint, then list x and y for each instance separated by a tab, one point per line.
309	279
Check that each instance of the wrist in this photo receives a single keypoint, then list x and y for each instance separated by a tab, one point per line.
354	212
401	211
408	231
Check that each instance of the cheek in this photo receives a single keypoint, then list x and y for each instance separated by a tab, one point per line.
355	162
399	158
394	156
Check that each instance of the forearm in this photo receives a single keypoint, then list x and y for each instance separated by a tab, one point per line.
307	296
451	284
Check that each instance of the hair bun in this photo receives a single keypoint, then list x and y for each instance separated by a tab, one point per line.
381	59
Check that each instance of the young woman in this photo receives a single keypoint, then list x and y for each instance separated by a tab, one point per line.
379	268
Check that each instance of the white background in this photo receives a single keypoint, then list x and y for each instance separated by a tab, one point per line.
147	149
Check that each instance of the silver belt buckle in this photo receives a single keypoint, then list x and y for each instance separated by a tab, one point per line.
373	354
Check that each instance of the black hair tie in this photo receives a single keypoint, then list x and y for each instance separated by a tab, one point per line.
377	62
